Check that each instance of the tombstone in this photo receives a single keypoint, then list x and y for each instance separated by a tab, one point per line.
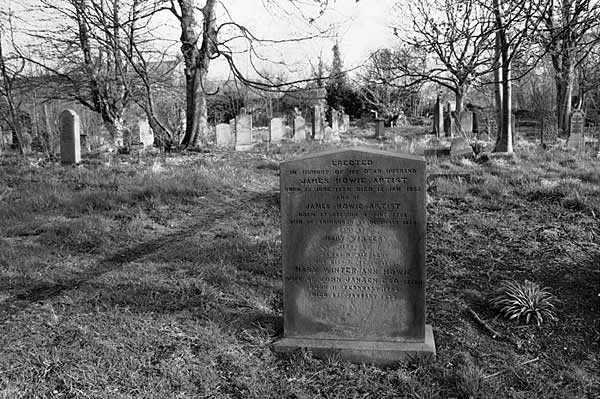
438	118
335	120
576	133
475	122
379	128
243	131
70	148
223	134
142	134
353	238
466	122
341	127
461	148
450	125
276	130
299	128
327	134
345	122
317	122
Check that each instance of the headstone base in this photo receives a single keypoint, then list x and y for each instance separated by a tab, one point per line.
244	147
383	353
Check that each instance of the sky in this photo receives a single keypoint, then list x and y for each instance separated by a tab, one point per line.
359	26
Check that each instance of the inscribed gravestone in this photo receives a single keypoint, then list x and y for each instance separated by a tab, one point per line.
299	128
576	136
353	236
276	130
243	131
223	133
70	148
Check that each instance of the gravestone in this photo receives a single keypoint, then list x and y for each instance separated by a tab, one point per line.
335	120
327	134
243	131
450	125
379	128
576	135
438	118
70	148
461	148
142	134
466	122
299	128
345	122
223	134
276	130
353	235
317	122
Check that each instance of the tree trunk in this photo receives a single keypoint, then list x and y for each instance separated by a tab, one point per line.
504	143
197	60
498	90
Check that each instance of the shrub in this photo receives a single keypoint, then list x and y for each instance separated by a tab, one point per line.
525	299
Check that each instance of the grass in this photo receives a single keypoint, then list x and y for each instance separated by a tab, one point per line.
160	277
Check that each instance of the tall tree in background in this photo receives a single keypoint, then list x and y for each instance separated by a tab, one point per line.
457	36
11	82
386	90
340	94
568	35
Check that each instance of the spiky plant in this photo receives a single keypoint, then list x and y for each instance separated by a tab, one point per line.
526	300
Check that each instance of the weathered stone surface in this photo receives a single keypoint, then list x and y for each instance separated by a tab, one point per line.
299	128
466	122
576	133
142	134
335	120
379	128
345	123
243	131
353	235
461	148
223	134
317	122
70	147
276	130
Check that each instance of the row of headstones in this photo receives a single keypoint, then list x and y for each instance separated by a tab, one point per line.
238	131
444	122
69	126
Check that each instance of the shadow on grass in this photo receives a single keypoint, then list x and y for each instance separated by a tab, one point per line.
260	260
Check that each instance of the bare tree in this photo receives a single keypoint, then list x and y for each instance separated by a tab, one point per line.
86	47
204	39
568	36
457	38
386	89
11	84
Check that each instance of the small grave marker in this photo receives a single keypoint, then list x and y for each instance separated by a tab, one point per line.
576	136
70	141
276	130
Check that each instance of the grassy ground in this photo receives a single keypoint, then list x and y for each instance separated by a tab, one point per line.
160	277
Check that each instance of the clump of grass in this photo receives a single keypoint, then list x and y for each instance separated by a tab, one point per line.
526	300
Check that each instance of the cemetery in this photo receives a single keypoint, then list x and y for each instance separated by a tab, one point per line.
352	234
